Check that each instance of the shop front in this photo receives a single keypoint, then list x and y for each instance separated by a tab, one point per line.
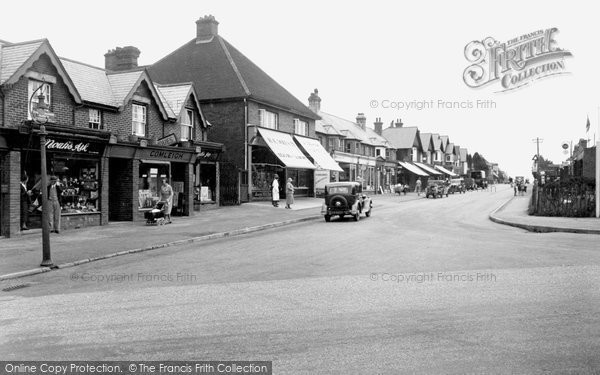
327	168
76	160
135	179
276	153
207	176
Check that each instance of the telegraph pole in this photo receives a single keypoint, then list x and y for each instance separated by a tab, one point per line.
537	140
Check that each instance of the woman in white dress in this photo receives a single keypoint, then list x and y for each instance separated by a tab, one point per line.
275	191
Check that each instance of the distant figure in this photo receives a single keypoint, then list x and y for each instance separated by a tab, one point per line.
166	195
289	193
418	186
275	191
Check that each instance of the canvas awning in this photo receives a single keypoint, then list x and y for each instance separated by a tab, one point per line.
444	170
321	157
427	168
284	147
412	168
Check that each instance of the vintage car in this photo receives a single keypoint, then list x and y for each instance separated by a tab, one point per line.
345	198
457	185
436	188
400	189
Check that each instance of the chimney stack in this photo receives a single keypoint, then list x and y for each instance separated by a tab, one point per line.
314	101
399	123
121	58
207	28
378	125
361	120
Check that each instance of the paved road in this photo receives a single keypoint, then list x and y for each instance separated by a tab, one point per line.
424	286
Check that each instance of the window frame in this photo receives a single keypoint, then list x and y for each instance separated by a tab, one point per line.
187	114
265	117
300	127
93	124
34	99
135	122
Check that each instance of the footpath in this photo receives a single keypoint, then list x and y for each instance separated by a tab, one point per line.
21	255
514	213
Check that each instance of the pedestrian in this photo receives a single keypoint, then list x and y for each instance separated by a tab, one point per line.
54	204
25	202
289	193
418	186
275	191
166	195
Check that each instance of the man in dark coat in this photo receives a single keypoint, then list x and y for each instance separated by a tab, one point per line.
25	202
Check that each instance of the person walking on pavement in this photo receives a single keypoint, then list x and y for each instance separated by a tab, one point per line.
166	195
25	202
275	191
54	204
289	193
418	186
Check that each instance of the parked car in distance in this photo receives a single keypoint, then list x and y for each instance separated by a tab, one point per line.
400	189
345	198
436	188
457	185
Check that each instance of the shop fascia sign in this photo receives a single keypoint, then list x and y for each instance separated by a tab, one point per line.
52	144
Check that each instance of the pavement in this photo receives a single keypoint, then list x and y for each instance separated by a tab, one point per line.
21	255
514	213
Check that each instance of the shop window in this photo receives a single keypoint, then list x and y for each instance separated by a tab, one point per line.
150	183
300	127
187	124
94	121
138	121
268	119
46	90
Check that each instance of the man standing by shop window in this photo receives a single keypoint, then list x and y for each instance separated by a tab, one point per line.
25	202
54	203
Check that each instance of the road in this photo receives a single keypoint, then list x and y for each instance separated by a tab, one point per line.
426	286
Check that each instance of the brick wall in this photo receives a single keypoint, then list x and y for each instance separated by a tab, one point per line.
10	193
228	127
17	97
286	119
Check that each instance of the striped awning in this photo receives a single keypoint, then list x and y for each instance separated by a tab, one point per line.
445	171
413	168
427	168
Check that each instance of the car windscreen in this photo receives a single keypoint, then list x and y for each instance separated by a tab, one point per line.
339	189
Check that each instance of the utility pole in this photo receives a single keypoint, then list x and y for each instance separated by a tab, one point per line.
537	140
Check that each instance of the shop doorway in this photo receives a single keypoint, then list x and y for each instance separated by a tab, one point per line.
120	190
229	184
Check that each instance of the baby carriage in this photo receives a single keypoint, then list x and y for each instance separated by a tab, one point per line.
156	216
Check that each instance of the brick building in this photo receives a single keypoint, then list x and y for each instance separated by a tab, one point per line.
257	120
111	136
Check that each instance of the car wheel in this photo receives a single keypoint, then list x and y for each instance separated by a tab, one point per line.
341	217
328	218
356	216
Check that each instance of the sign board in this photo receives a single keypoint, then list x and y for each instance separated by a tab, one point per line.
167	141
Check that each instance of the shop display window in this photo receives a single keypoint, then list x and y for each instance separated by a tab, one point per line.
79	180
150	182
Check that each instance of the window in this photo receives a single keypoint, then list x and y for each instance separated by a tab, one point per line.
300	127
46	90
438	156
187	124
414	154
448	158
331	144
138	121
268	119
378	152
348	147
94	122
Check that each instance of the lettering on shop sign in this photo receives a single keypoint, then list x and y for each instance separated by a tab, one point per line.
52	144
166	155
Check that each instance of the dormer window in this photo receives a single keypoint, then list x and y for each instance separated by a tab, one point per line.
187	124
138	120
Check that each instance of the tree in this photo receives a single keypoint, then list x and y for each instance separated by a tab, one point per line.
479	163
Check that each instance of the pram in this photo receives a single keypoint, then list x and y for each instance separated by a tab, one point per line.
156	216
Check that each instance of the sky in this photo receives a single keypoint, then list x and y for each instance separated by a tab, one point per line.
365	57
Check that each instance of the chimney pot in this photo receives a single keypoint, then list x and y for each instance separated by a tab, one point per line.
207	27
314	101
378	125
121	58
361	120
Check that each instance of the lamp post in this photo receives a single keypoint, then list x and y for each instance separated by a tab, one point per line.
39	116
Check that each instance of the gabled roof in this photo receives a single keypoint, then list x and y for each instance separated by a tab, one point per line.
457	150
345	128
17	58
220	71
437	142
426	141
445	141
124	85
174	97
377	140
403	137
91	82
321	127
449	148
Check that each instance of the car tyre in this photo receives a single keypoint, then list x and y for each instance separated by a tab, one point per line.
327	218
356	216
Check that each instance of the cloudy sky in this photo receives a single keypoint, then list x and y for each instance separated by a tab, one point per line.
364	56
